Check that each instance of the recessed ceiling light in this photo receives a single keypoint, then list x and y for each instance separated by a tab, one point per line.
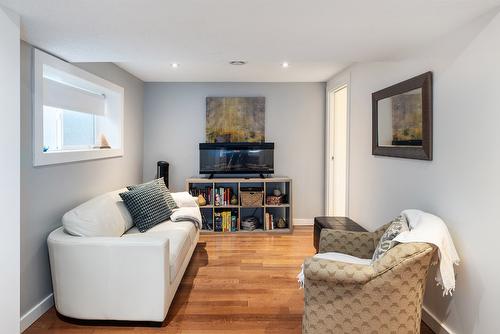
285	64
174	65
237	62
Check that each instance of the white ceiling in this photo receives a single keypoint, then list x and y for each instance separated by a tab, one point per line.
317	37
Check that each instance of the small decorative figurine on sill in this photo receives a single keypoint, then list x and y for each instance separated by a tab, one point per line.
104	142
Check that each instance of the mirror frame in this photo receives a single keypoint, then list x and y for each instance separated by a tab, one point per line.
424	152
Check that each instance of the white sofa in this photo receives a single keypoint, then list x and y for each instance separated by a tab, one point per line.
115	272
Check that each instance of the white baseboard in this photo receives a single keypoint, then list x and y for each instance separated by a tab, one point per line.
432	321
302	221
36	312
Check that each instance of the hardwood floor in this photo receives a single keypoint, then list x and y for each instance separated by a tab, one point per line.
235	283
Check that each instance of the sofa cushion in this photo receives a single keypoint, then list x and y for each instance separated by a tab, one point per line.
398	225
147	205
166	193
188	227
102	216
181	236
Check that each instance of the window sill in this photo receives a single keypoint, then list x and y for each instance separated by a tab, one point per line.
60	157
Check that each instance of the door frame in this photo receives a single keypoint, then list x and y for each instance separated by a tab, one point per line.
335	84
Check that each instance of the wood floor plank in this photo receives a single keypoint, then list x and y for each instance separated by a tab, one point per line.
234	284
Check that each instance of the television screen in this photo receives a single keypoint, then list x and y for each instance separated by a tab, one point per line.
237	158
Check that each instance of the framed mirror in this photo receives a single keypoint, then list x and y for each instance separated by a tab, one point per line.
402	119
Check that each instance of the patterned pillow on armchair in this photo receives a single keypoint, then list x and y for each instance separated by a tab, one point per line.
386	242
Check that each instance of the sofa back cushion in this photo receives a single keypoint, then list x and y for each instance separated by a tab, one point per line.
102	216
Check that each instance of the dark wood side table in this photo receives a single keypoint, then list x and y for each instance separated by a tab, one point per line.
335	223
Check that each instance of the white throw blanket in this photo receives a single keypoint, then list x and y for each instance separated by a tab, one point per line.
425	227
187	213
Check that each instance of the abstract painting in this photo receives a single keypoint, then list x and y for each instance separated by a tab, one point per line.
407	118
235	119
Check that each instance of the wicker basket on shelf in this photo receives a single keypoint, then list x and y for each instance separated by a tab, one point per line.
251	198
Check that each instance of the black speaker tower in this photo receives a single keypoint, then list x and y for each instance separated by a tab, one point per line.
162	171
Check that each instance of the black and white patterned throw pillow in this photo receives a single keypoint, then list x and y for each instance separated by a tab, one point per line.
386	242
147	205
166	193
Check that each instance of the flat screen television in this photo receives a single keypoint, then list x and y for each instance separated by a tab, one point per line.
237	158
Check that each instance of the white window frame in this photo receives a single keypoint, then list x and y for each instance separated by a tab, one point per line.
114	104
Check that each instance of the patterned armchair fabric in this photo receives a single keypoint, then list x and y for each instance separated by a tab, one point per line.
385	297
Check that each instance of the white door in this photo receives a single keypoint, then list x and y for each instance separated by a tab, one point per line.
337	152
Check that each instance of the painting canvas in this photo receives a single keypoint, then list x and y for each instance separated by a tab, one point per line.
400	119
235	119
407	118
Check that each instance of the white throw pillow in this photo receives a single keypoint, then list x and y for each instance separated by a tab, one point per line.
102	216
184	199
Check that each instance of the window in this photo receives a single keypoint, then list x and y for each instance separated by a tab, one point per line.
77	115
65	130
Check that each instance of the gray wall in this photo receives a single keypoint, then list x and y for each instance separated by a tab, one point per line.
174	119
461	184
48	192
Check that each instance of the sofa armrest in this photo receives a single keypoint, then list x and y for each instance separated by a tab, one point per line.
359	244
110	271
337	272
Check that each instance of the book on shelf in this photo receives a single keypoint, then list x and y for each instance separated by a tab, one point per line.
223	196
217	222
234	225
226	221
269	221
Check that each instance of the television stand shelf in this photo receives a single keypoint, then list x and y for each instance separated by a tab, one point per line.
260	209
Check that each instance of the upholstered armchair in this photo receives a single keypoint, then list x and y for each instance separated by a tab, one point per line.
382	297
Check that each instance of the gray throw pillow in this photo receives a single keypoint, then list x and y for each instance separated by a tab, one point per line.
166	193
386	242
147	205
